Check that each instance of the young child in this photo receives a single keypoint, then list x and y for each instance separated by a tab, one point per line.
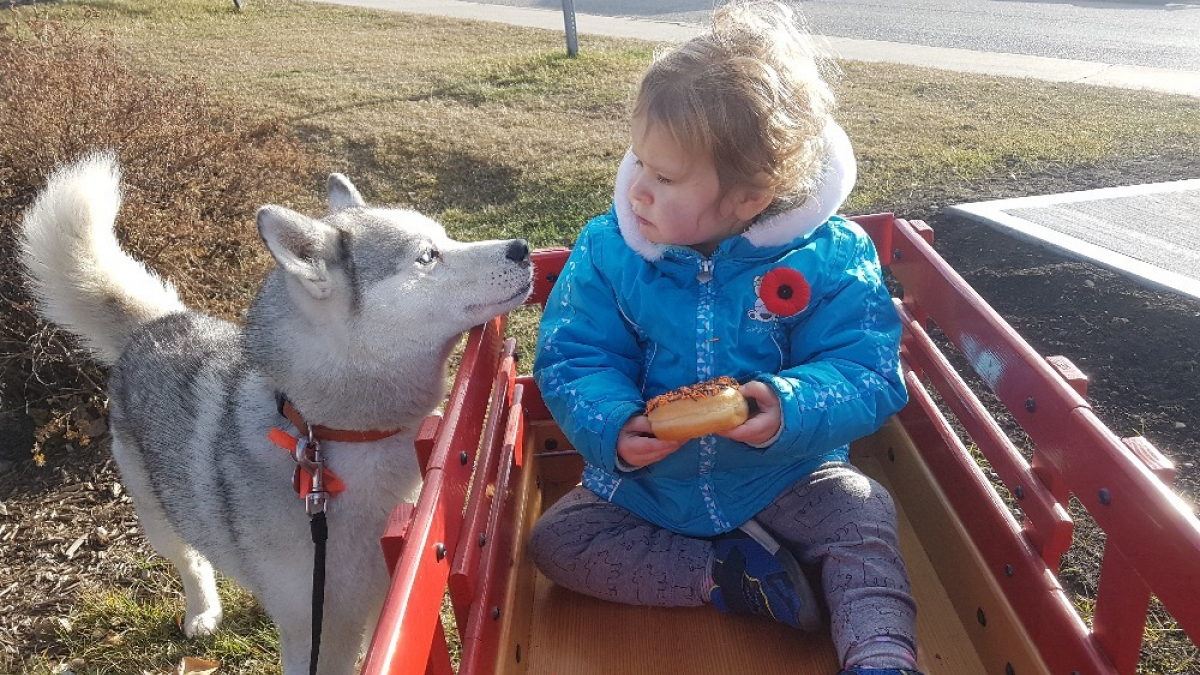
722	257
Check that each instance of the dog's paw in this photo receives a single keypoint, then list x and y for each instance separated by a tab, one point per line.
201	625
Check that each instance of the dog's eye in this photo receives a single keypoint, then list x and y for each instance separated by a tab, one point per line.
429	256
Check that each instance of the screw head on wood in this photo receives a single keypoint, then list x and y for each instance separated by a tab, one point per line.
1105	496
440	551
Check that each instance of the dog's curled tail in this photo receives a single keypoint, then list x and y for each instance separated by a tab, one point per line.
82	279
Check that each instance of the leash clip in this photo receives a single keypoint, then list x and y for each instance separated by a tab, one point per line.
315	502
308	450
308	455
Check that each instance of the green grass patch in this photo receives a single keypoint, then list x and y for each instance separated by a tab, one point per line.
135	628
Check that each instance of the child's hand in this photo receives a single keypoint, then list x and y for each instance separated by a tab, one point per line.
637	445
764	424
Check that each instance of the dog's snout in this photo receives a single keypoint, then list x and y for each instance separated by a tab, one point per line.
518	251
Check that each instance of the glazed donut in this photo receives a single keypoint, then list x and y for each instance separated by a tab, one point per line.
697	410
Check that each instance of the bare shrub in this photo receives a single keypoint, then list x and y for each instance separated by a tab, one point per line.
194	173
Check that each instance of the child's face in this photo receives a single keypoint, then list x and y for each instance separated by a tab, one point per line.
677	195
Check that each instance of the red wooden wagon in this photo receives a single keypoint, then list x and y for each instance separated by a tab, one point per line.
984	558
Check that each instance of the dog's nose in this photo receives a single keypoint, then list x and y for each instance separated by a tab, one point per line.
518	251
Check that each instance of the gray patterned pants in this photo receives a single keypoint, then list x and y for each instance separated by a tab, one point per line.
835	519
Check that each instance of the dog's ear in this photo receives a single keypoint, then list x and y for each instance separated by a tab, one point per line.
342	193
302	246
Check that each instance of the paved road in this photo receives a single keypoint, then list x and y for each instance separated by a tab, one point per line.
1142	33
670	20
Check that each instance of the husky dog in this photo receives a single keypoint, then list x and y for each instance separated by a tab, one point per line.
353	326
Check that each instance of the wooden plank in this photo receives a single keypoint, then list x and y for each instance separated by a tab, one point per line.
1159	464
944	644
1074	452
547	264
481	638
1034	393
1122	600
879	226
1030	587
950	574
439	654
573	634
1049	525
535	408
1154	527
513	653
404	634
465	568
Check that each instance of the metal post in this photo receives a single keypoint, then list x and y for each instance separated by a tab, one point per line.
572	34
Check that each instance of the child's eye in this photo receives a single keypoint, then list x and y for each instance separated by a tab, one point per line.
658	177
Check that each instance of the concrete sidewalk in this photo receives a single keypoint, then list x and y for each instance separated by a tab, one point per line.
1146	232
962	60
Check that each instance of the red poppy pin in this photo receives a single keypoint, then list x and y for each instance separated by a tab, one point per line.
784	291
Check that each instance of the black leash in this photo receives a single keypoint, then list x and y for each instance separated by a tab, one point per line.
308	455
320	533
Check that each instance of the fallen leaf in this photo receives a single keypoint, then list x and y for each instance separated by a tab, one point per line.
193	666
96	428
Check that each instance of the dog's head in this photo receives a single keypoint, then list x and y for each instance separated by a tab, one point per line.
380	275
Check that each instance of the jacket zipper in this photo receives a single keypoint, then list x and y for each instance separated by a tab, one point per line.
704	322
705	367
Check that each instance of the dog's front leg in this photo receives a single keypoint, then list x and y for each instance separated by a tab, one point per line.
339	646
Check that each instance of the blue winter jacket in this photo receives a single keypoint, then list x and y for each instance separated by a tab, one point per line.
629	320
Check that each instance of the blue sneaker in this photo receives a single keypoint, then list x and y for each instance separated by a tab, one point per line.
753	574
861	670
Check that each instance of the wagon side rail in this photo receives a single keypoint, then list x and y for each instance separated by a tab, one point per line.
1152	536
422	542
451	548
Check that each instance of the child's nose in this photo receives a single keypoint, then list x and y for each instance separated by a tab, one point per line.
637	190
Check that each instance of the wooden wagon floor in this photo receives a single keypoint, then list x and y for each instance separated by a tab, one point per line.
576	635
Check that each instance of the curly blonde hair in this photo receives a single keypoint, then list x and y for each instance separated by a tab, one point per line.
752	93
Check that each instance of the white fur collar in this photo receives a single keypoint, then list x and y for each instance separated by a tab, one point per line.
837	180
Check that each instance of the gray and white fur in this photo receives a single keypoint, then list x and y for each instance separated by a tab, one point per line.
354	326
